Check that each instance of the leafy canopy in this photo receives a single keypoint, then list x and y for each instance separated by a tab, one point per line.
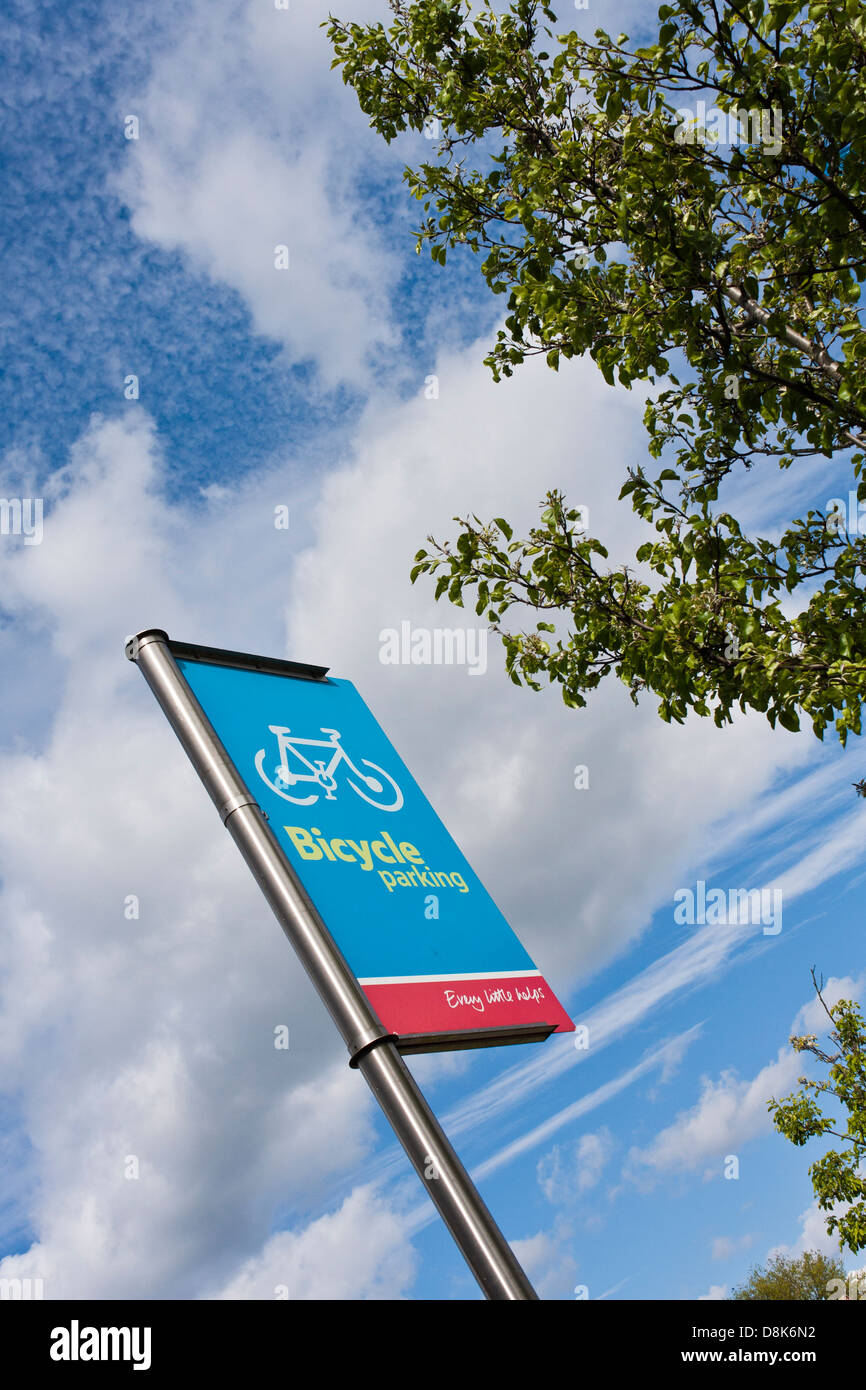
839	1177
726	275
807	1278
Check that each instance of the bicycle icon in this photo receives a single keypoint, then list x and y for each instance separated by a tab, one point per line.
321	771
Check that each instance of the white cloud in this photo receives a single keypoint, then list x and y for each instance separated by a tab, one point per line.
359	1252
716	1294
148	1037
548	1261
566	1172
813	1233
812	1018
249	142
726	1246
658	1057
729	1113
838	849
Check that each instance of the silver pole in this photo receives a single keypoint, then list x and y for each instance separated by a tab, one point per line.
371	1049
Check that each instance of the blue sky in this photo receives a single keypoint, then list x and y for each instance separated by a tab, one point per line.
150	1037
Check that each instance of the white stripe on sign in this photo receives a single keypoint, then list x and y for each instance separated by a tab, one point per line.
432	979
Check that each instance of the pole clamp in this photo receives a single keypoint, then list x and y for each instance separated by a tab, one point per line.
235	803
368	1047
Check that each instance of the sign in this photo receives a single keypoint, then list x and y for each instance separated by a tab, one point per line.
423	937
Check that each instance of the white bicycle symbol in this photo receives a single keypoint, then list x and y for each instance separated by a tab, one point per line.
321	771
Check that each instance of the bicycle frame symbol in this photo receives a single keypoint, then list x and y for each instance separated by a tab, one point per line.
377	787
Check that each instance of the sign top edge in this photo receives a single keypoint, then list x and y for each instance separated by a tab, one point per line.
220	656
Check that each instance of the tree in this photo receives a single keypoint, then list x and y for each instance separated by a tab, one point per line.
840	1176
813	1276
726	276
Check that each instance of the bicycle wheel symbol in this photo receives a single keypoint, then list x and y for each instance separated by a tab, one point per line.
379	787
279	786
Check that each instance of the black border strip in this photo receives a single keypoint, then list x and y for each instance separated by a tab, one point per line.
245	661
454	1041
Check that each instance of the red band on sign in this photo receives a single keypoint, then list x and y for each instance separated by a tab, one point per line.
434	1006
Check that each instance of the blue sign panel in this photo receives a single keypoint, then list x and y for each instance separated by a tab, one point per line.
424	938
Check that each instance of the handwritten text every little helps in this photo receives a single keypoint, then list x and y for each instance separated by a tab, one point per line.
492	996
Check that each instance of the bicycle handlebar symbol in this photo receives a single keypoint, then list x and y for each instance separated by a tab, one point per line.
321	771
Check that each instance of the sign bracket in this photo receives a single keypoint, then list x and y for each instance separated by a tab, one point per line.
452	1041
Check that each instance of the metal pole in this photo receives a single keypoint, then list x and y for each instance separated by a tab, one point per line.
371	1049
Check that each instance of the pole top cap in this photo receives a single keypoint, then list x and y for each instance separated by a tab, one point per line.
132	646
